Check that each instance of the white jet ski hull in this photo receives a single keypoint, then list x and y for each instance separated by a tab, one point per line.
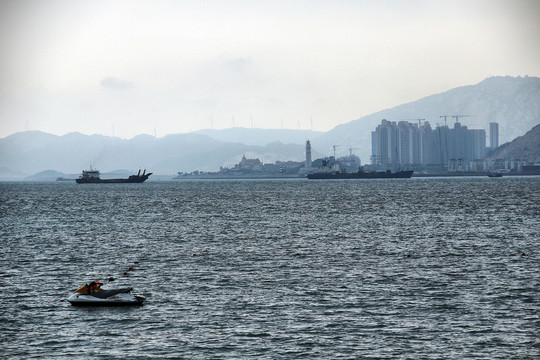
123	299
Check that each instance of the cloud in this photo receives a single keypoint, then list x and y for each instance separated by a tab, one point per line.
114	83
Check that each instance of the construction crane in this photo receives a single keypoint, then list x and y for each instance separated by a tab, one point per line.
350	150
458	116
445	116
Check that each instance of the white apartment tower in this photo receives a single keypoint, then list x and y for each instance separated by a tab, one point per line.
493	135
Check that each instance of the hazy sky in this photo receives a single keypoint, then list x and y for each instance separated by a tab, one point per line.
177	66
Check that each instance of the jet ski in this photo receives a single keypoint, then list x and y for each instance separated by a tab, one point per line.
93	295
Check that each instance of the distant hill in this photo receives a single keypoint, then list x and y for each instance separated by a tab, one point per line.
512	102
46	175
32	152
526	148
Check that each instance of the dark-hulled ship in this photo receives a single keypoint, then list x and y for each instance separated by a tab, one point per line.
92	176
361	174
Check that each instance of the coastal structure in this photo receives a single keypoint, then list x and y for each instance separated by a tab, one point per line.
403	144
308	154
360	174
248	164
250	168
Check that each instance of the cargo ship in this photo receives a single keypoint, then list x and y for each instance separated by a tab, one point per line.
92	176
361	174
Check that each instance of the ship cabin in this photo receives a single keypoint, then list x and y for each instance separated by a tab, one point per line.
90	174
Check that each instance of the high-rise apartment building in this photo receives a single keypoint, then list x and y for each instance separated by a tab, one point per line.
401	144
493	135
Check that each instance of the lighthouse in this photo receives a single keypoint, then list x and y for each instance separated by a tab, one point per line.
308	154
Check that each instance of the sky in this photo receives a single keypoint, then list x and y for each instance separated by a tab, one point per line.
128	67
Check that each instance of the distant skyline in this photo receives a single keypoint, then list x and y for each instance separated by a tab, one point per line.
126	68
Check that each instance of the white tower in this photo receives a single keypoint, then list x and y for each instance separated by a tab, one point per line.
308	154
493	135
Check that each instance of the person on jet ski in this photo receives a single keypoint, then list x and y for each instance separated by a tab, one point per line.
93	287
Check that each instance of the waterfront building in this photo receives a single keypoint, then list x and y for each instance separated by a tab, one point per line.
403	144
248	164
493	135
478	143
386	144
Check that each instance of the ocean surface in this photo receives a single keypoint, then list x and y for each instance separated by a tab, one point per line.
439	268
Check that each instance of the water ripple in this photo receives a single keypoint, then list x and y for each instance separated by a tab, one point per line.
421	268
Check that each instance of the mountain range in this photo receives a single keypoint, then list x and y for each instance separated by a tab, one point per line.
513	102
525	148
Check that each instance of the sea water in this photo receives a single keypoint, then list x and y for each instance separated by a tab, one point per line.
281	269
